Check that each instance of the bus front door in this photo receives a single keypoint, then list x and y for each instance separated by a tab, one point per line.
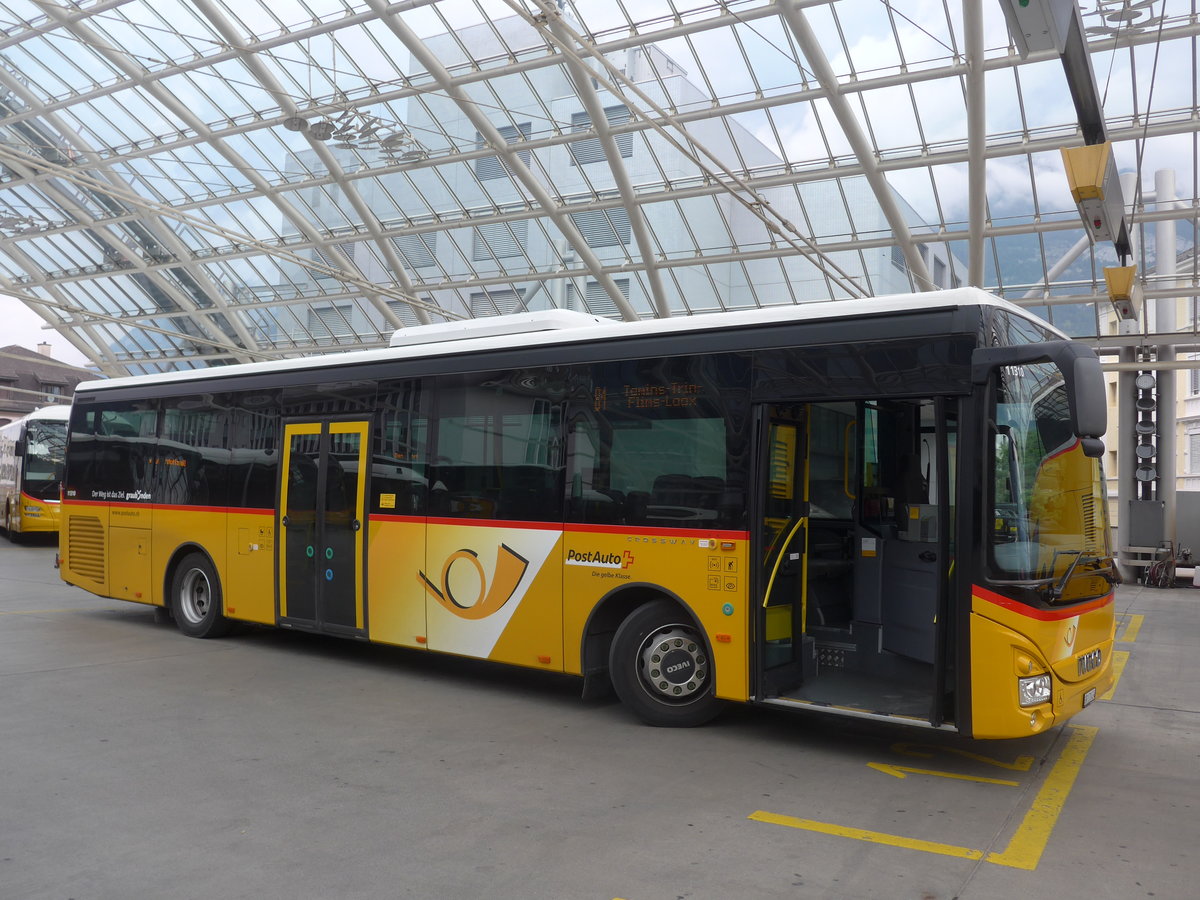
784	536
323	517
856	515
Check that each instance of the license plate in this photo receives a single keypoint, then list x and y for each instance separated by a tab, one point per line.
1089	696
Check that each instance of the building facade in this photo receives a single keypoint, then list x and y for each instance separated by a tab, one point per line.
30	379
507	262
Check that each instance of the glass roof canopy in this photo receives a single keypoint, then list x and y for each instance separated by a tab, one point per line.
199	182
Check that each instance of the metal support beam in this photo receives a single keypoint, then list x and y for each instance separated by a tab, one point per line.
656	33
1166	309
814	53
976	140
514	163
1125	440
365	213
134	71
581	77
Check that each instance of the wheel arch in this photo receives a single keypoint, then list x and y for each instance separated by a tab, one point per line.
606	617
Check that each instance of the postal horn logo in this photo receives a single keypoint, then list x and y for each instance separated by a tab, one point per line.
510	568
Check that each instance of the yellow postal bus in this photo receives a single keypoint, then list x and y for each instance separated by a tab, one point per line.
31	466
887	508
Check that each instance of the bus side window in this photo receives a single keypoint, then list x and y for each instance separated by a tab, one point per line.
498	448
657	442
254	464
399	459
588	497
126	438
192	452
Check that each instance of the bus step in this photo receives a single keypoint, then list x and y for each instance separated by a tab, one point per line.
835	655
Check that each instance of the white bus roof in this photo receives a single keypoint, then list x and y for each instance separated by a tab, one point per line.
566	327
57	413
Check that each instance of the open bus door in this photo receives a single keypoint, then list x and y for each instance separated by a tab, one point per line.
856	515
785	647
321	499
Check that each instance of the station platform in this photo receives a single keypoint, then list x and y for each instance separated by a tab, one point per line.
141	763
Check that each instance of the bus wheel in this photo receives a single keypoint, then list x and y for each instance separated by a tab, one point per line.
661	669
196	598
9	532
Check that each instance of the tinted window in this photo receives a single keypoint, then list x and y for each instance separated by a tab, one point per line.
399	457
193	457
254	454
45	445
111	452
661	443
333	398
498	447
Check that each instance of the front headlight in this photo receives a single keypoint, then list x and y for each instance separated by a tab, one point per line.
1034	690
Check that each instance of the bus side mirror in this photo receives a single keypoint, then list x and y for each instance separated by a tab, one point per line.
19	447
1085	386
1080	368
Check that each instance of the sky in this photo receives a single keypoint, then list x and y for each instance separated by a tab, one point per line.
20	325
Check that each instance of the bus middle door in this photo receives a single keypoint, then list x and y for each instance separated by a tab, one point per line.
321	542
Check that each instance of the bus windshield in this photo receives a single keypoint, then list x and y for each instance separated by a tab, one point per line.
45	448
1050	528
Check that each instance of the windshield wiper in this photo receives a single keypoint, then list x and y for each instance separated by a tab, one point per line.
1112	575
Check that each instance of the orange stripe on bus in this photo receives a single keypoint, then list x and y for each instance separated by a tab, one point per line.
1042	615
29	498
660	532
241	510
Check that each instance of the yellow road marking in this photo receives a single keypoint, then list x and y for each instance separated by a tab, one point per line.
1132	627
903	771
861	834
1020	764
1030	839
1120	657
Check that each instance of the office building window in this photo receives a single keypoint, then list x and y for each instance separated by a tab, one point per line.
500	240
598	301
327	324
589	150
603	228
496	303
493	166
416	249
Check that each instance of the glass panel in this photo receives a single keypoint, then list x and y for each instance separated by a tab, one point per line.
254	473
45	455
831	461
192	456
341	527
303	489
899	470
1049	512
662	442
498	450
398	483
118	466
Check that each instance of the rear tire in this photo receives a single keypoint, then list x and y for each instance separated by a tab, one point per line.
662	669
13	536
196	598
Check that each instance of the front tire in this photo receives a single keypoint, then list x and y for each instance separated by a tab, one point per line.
11	533
196	598
662	669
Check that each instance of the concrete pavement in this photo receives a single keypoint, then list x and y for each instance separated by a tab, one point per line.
137	763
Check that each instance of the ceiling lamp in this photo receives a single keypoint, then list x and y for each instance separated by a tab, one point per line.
353	130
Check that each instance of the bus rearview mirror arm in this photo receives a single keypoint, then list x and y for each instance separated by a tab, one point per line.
1080	369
